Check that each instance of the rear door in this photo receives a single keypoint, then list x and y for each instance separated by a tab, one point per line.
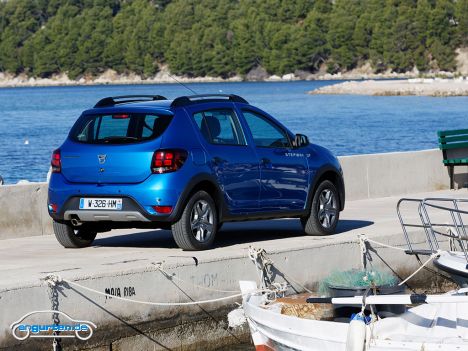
283	170
233	162
112	148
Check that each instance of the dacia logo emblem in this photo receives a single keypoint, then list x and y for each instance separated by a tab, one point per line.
102	159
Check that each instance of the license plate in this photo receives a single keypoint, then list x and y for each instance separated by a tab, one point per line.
100	204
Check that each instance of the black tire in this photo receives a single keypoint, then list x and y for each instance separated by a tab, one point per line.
188	238
316	223
73	237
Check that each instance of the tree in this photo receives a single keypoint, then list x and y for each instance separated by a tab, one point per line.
442	38
423	12
343	20
461	13
20	20
224	37
316	29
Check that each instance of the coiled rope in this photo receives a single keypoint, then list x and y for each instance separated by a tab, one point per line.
263	264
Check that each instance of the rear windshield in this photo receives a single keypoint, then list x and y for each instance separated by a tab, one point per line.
119	128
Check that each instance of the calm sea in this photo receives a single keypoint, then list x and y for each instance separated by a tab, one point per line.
35	121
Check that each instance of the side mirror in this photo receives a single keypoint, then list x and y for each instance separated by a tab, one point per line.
300	140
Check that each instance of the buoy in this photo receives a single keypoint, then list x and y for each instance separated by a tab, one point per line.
26	142
356	339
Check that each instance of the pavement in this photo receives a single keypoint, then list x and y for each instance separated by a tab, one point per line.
24	261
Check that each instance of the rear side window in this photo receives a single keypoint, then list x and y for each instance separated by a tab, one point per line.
119	128
220	127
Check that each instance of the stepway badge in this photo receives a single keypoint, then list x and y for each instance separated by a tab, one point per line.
82	330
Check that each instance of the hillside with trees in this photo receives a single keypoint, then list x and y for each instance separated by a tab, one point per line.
226	38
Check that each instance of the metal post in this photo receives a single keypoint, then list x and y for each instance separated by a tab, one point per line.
451	171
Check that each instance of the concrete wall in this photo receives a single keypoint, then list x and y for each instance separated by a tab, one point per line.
397	173
23	209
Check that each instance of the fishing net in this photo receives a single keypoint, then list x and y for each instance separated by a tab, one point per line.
357	278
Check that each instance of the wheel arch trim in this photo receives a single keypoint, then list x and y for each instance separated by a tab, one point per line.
201	182
330	173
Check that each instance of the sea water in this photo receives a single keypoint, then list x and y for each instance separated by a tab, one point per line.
35	121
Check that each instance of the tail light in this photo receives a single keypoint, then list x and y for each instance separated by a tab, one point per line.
56	162
165	161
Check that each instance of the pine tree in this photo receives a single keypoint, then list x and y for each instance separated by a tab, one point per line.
222	37
461	14
442	35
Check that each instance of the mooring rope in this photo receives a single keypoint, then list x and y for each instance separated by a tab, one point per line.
434	255
379	243
56	279
191	303
262	263
362	244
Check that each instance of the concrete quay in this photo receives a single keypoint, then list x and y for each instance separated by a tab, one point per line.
127	261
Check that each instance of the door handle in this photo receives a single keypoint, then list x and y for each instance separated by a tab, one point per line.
265	161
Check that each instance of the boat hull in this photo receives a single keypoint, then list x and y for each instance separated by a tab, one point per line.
453	263
425	327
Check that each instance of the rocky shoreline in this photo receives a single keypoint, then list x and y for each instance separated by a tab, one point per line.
111	77
416	86
257	74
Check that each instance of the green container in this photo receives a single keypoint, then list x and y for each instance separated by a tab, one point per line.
356	282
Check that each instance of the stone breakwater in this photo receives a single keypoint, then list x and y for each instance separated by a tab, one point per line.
417	87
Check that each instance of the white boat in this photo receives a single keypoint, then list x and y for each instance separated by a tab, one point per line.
439	324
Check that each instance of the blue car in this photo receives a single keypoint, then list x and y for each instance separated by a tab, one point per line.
189	165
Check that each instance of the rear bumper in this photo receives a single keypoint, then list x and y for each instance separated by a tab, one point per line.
137	199
97	216
131	212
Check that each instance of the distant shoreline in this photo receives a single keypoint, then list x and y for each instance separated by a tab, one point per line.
164	77
410	87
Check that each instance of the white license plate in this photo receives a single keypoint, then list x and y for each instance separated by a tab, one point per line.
100	204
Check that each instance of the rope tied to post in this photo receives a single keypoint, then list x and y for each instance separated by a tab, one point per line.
365	255
263	265
52	280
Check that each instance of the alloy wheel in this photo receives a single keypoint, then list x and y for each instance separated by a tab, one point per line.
327	210
201	221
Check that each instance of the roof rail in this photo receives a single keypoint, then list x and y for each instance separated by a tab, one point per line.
112	100
194	99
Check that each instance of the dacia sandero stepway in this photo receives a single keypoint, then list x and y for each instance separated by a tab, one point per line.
189	165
